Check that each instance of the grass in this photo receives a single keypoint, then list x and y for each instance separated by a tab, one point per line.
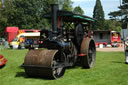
108	70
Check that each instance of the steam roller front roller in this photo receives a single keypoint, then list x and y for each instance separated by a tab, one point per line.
44	63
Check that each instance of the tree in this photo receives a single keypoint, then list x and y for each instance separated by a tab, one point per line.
24	14
28	14
98	14
47	5
112	25
78	10
67	5
122	12
46	9
4	15
115	15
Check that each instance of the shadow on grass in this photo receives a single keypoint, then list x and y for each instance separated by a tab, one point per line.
118	62
2	66
24	75
21	74
21	66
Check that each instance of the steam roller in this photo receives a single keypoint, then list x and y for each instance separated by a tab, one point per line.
69	43
44	63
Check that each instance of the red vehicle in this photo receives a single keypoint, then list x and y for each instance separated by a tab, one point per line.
115	39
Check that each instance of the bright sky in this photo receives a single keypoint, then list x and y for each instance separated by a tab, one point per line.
88	6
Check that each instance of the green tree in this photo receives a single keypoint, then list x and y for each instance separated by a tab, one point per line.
4	14
115	15
78	10
121	14
98	14
112	25
67	5
47	5
124	13
46	9
28	14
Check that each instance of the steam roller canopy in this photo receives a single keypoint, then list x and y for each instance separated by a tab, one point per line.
44	63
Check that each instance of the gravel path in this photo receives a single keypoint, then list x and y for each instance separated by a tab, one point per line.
110	49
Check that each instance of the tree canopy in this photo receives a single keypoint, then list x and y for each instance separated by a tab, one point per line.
121	14
28	14
98	14
112	25
68	5
78	10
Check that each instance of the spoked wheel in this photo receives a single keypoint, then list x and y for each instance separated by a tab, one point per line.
58	65
88	48
79	34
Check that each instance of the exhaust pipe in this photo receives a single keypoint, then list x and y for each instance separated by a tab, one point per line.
54	9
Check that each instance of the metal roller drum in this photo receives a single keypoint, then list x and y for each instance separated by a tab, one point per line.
88	48
43	63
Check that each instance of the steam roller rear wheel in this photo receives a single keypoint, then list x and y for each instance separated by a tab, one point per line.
88	48
44	63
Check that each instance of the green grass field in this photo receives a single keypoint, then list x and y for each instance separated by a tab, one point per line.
108	70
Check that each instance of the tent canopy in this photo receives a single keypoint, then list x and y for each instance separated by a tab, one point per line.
11	29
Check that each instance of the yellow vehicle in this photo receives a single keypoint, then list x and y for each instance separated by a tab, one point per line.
24	40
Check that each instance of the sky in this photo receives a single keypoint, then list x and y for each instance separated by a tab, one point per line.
88	6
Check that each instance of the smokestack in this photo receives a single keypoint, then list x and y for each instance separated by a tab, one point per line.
54	9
